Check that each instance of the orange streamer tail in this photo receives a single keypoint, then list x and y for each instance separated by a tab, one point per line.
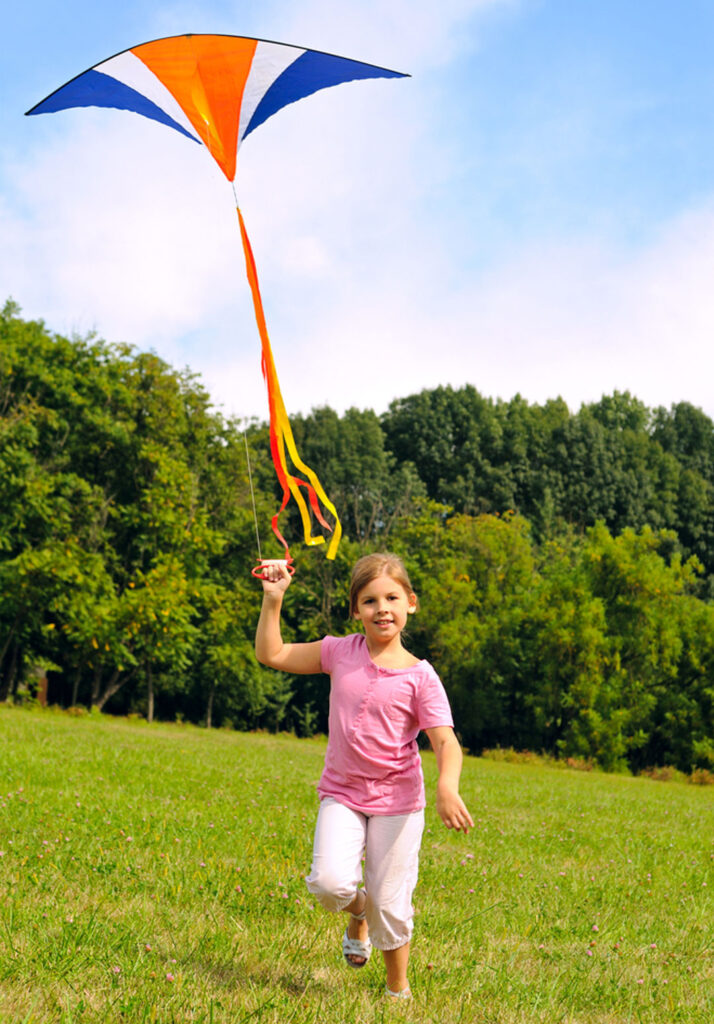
282	442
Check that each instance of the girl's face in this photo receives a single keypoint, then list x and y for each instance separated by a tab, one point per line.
383	606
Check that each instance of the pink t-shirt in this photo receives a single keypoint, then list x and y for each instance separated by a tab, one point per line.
372	762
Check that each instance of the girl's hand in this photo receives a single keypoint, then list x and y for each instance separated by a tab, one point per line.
452	810
275	577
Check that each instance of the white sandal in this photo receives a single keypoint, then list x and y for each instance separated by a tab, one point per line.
355	947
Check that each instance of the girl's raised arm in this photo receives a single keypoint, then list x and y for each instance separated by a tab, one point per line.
302	659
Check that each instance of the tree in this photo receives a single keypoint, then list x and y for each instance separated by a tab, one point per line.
646	592
115	506
364	480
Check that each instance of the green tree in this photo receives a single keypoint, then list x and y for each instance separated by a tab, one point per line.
645	589
363	478
117	480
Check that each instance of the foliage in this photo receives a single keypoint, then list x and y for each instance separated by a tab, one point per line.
119	502
564	562
613	460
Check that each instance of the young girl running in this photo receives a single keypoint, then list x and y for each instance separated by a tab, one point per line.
372	790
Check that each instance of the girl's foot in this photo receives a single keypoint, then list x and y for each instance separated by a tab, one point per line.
356	946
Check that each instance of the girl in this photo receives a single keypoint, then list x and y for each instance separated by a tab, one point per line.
372	790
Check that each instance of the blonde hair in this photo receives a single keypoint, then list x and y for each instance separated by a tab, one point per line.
369	567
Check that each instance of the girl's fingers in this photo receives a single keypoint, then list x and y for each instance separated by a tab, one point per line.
274	574
460	820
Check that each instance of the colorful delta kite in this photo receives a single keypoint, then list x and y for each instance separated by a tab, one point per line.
216	90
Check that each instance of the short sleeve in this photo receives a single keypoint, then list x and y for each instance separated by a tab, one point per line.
433	706
327	653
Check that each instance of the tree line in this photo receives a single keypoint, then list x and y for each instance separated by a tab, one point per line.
564	561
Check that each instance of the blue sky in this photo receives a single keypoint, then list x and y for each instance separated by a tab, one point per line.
532	211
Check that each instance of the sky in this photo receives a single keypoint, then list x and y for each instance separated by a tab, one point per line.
531	212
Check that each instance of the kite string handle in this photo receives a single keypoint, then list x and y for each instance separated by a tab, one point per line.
263	563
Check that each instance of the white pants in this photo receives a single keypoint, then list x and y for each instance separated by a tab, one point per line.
390	847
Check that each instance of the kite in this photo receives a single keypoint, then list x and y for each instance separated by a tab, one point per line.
216	90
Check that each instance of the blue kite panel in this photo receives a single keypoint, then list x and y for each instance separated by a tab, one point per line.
311	72
94	89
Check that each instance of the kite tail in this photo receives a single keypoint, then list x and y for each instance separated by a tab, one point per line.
281	435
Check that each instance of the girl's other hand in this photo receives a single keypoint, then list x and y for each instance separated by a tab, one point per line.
453	811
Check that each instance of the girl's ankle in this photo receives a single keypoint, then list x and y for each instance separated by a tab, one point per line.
363	912
399	993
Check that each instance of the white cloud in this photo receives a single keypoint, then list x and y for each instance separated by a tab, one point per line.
579	319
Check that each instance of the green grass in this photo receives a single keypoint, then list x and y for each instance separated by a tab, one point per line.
155	873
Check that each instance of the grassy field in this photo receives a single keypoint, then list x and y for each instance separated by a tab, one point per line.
155	873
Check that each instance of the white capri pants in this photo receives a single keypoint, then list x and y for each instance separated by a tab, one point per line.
390	847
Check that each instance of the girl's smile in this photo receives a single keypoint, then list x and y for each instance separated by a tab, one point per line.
383	606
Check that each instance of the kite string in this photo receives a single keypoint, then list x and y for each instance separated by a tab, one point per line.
252	496
247	458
